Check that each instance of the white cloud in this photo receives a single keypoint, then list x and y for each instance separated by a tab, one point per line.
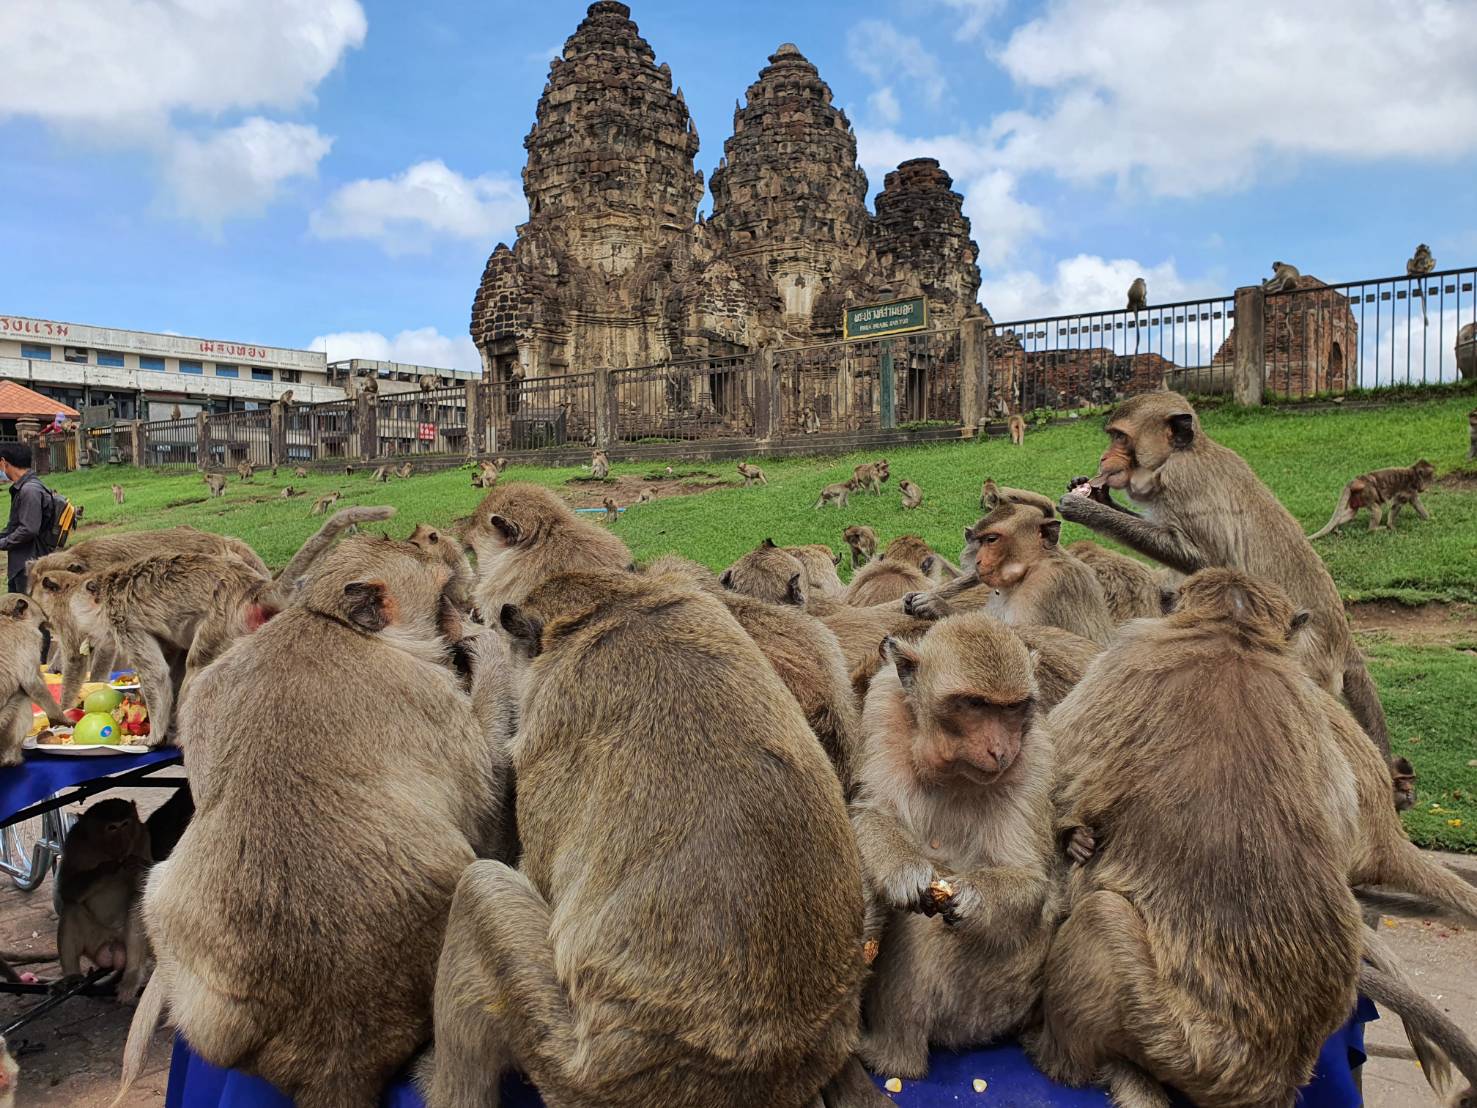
402	213
1086	283
973	15
884	105
885	54
126	62
423	346
238	172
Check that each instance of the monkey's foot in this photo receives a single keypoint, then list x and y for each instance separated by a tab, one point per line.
1081	845
923	605
894	1057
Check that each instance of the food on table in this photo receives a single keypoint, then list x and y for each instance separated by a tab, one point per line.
102	700
54	736
73	714
95	728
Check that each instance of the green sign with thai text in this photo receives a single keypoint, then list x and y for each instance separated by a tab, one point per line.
887	319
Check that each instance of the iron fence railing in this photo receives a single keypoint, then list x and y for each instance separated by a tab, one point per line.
170	444
685	401
544	412
432	421
236	437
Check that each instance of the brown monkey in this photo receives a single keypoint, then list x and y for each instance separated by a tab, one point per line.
174	412
245	471
9	1069
752	474
324	502
1017	427
405	470
117	494
286	398
810	420
1284	278
768	573
1130	588
348	469
993	495
648	496
600	465
1138	295
1161	971
1418	266
954	822
863	543
762	1010
834	495
300	472
820	563
870	475
381	474
104	863
523	534
1395	487
884	580
612	513
448	548
910	549
288	492
1472	434
21	682
1210	509
488	471
912	494
367	629
216	483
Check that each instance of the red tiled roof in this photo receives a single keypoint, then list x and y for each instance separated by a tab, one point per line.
17	401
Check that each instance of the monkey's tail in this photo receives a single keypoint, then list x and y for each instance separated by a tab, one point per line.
1364	702
1438	1042
1338	517
311	550
145	1018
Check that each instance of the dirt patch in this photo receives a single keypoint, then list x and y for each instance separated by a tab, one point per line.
586	492
1459	481
1428	624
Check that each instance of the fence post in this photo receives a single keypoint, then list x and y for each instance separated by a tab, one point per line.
475	424
366	419
138	442
766	411
1249	368
888	392
277	433
972	382
202	441
604	407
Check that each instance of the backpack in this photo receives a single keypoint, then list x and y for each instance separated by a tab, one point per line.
57	517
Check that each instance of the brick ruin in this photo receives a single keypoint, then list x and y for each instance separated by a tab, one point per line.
614	267
1310	336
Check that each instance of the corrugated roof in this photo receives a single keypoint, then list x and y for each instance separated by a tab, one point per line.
17	401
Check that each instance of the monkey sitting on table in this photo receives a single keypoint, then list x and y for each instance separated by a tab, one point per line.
105	860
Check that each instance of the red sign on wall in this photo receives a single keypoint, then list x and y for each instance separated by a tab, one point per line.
427	432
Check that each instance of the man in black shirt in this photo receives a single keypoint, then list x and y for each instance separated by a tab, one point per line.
29	500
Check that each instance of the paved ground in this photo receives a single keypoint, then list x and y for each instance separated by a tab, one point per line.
80	1043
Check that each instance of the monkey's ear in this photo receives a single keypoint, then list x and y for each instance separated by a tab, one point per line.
901	656
91	586
969	534
525	631
433	537
1299	621
21	604
505	527
726	578
795	592
367	605
767	544
1181	430
1168	599
926	566
1051	532
835	558
48	584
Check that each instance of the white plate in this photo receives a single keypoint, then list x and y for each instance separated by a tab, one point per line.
125	688
83	749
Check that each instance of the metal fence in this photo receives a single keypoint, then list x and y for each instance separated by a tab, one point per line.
544	412
1329	339
170	444
313	432
432	421
686	401
237	437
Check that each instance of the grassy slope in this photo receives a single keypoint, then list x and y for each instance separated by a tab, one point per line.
1431	692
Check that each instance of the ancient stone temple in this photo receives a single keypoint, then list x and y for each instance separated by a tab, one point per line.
1310	337
614	268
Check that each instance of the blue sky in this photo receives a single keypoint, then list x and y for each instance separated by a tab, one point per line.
285	170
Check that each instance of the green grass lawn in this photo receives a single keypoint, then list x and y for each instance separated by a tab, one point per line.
1305	456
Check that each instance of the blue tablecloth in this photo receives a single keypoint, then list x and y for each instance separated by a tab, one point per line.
1012	1079
42	774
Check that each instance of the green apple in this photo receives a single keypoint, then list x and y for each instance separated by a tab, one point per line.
95	728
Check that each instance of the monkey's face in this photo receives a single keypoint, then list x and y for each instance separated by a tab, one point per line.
1011	540
1425	473
1140	443
17	606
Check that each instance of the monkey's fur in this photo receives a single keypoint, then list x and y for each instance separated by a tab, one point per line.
600	465
245	471
611	512
1394	487
405	470
1017	427
216	483
1418	266
300	472
1284	278
104	863
993	495
863	542
870	475
448	548
1205	507
324	502
835	494
768	573
911	493
820	563
752	475
954	787
381	474
117	494
654	1006
884	580
1218	969
21	683
909	549
523	534
316	1009
1138	295
860	631
1130	588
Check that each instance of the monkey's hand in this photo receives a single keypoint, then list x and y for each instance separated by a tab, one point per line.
926	605
910	888
1081	845
957	899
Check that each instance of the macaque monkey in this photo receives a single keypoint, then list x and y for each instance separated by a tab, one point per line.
245	471
216	483
600	465
174	412
10	1071
752	475
834	495
117	494
1017	427
1130	588
405	470
870	475
647	496
366	629
910	549
882	581
300	472
104	863
612	513
324	502
954	825
488	471
810	420
1417	267
381	474
21	682
762	1010
523	534
1149	978
768	573
993	495
912	494
1209	509
288	492
274	471
348	469
1395	487
448	548
1284	278
863	542
1138	295
820	563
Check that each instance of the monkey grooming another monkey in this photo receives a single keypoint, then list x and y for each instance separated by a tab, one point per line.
600	465
751	474
954	826
835	494
768	573
870	475
1017	427
445	546
1397	487
104	862
1219	971
912	494
1205	507
1138	295
993	495
819	562
307	1006
21	683
863	540
117	494
216	483
758	1003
